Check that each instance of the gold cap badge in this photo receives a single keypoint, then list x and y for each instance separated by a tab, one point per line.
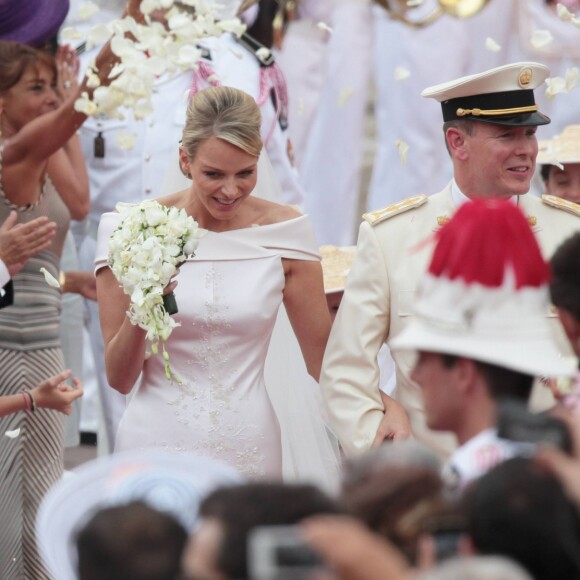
525	77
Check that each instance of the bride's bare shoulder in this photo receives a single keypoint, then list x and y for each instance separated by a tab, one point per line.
173	199
268	212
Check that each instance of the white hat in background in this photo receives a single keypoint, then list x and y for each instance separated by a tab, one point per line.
170	483
562	149
485	296
502	95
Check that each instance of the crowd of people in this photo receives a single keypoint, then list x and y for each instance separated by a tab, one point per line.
271	434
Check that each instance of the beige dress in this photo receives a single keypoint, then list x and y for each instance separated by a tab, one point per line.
29	353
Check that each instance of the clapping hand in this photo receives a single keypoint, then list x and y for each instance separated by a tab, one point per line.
18	242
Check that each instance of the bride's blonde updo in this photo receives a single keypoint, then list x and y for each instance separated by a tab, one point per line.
225	113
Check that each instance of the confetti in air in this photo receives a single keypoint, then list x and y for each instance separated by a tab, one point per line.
403	150
401	73
541	38
492	45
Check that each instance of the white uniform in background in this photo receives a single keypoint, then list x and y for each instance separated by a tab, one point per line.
303	59
448	48
330	170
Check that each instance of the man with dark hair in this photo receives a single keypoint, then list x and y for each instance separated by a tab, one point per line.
219	547
480	330
523	513
132	541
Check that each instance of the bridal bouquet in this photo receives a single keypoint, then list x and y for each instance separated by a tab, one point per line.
145	251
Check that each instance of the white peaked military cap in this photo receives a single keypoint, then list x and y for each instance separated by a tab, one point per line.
563	148
502	95
485	295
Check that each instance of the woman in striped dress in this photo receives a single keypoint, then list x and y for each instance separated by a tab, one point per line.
42	173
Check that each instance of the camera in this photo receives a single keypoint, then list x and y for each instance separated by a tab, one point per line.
516	423
280	553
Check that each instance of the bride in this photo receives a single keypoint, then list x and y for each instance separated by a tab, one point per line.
256	256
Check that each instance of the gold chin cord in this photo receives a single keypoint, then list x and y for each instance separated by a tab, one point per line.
421	13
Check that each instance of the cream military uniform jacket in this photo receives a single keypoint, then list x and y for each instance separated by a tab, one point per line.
393	253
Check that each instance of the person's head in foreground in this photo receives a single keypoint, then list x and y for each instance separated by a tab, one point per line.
490	122
218	549
520	512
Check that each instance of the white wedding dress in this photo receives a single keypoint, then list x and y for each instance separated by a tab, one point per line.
229	296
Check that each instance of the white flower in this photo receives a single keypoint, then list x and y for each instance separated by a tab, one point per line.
144	253
84	105
403	150
344	95
12	434
401	73
557	85
70	34
126	141
97	35
323	26
541	38
492	45
49	278
87	10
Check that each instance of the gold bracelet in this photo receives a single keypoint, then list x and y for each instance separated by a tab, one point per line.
62	280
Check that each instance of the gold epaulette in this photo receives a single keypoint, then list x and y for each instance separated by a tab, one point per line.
561	203
375	217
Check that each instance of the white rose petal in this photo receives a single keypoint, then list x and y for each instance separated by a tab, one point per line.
344	95
401	73
492	45
323	26
126	141
87	10
93	81
49	278
403	150
70	34
12	434
572	77
414	3
300	106
541	38
563	12
84	105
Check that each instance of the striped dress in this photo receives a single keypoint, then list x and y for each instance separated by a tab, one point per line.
29	353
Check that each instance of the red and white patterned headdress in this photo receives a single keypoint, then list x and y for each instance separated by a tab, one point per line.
485	295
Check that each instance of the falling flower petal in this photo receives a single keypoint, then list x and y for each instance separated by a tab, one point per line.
49	278
557	85
12	434
300	106
401	73
87	10
414	3
563	12
344	95
70	34
403	150
126	140
323	26
541	38
492	45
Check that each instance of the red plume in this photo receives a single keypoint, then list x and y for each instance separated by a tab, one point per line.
484	239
